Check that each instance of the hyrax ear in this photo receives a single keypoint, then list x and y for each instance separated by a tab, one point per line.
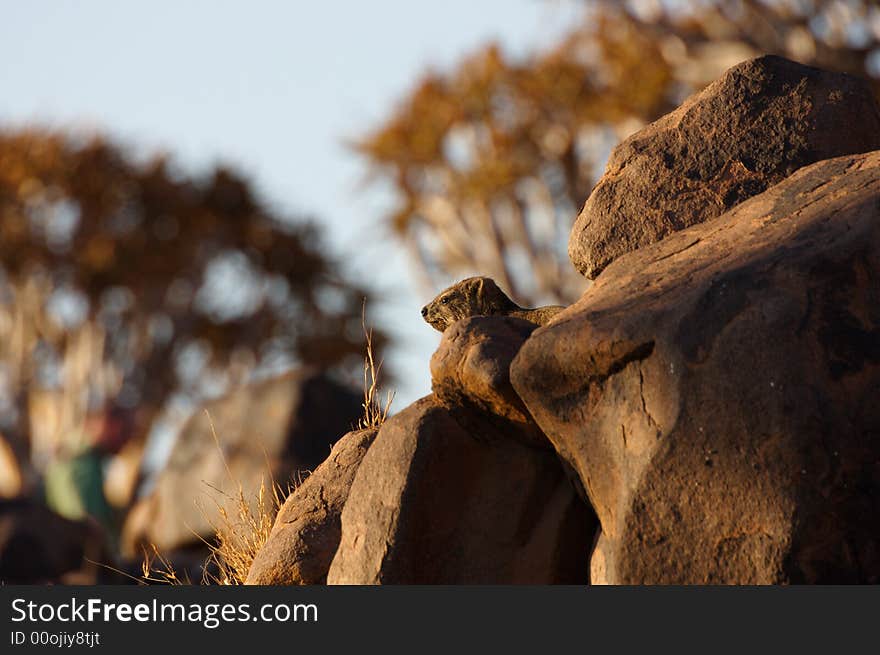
478	290
483	293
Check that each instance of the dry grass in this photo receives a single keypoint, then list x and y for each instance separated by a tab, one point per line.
241	527
374	412
238	537
161	573
241	533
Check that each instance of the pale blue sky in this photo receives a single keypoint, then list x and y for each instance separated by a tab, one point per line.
272	87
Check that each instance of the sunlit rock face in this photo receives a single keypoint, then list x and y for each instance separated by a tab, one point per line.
434	502
717	392
710	403
308	527
461	486
750	129
471	370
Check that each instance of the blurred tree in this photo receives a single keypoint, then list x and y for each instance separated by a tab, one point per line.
127	280
491	162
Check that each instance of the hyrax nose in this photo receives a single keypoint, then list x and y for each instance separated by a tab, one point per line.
425	310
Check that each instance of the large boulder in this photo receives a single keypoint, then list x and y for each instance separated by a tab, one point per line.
717	392
271	430
462	486
307	530
747	131
435	503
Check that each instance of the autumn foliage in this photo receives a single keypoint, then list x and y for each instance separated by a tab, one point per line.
127	280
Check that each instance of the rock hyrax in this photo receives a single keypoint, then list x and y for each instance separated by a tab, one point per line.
479	296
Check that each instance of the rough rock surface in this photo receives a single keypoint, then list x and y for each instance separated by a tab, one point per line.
307	529
289	422
471	369
433	503
717	392
747	131
38	546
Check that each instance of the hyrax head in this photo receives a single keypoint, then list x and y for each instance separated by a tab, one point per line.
473	296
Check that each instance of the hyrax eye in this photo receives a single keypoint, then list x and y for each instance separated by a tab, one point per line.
444	299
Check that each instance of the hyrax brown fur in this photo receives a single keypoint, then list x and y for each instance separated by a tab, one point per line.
480	296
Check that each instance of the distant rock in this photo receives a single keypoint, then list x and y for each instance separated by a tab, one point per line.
307	529
38	546
717	392
750	129
278	427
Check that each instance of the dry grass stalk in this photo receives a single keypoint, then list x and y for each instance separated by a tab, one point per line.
374	412
164	573
239	535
